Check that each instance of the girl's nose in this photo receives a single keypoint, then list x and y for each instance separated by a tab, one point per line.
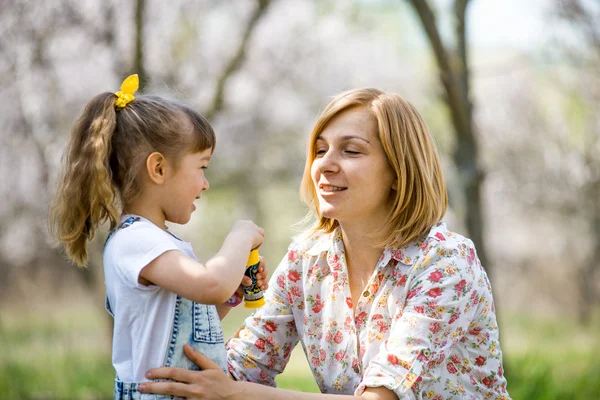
206	184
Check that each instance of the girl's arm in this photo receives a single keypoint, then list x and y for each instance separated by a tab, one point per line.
214	282
212	383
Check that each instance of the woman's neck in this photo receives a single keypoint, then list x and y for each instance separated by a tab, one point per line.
360	249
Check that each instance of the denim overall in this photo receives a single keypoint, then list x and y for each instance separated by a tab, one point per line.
193	323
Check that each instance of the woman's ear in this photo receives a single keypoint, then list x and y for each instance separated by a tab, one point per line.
156	165
395	185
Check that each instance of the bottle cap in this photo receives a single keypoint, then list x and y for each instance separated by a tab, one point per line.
253	259
254	303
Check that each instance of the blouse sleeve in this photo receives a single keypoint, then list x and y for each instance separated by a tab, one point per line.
439	307
261	348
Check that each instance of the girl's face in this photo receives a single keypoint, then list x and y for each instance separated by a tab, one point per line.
351	174
184	185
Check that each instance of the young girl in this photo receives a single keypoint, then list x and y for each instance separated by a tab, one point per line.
137	163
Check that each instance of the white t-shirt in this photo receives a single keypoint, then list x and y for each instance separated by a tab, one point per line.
143	315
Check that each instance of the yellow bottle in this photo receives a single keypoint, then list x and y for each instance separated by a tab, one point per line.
253	296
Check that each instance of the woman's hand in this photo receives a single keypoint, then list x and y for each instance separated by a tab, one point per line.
210	383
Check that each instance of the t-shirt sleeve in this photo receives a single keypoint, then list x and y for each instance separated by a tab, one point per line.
135	247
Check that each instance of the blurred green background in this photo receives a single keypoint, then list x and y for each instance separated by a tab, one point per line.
510	90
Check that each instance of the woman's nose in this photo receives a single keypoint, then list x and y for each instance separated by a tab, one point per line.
206	185
328	162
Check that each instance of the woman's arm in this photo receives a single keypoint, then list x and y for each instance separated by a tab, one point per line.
261	349
211	383
438	310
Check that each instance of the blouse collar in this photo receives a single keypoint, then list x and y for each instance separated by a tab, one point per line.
332	243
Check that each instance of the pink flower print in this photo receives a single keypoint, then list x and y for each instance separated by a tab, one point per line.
322	355
339	337
451	368
383	327
474	298
412	293
270	340
435	276
334	262
420	309
339	355
374	288
349	302
286	352
292	255
397	254
475	330
434	327
488	381
440	236
281	281
293	276
348	322
260	344
454	317
480	360
402	280
460	287
360	318
295	290
471	256
434	292
392	359
270	326
263	378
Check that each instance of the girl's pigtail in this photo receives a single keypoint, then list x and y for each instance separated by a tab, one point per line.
86	196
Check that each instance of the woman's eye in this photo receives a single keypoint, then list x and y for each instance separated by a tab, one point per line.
352	152
204	167
320	152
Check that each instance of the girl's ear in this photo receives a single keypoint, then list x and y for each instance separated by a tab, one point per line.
156	165
395	185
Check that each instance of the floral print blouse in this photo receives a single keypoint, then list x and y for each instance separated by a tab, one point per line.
424	326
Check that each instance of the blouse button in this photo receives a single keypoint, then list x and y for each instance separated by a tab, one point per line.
356	369
366	293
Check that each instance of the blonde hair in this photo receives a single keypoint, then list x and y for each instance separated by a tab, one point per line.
106	153
420	200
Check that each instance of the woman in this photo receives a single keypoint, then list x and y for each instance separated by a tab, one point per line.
386	301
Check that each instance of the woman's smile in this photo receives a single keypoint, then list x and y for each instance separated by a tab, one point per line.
326	189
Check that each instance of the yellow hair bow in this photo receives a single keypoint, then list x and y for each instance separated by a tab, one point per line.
128	88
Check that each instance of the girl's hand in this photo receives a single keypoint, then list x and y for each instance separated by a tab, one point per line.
262	278
248	229
209	383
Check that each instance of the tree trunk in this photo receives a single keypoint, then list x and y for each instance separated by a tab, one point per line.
138	61
453	67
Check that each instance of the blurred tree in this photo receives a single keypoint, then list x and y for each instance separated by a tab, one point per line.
453	67
582	146
30	69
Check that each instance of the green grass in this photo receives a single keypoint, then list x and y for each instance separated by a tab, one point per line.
67	356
